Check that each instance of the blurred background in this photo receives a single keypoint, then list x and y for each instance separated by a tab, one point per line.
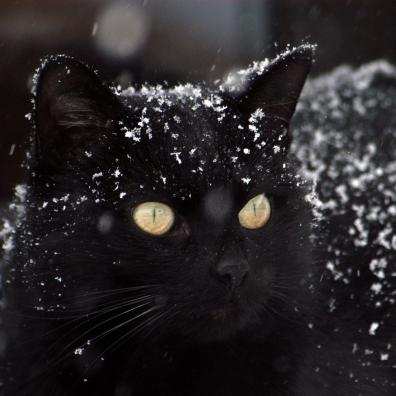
136	41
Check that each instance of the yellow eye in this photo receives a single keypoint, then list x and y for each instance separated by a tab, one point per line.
154	218
255	213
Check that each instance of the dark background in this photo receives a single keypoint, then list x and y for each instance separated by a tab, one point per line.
135	41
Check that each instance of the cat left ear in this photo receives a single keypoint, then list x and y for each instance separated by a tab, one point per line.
72	106
278	88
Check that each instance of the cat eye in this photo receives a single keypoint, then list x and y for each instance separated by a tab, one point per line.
255	213
154	218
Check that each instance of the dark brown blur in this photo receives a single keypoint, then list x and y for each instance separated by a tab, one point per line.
175	40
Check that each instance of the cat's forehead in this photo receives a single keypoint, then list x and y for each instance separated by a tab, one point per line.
193	140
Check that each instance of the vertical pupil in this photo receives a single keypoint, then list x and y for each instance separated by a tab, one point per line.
153	215
254	209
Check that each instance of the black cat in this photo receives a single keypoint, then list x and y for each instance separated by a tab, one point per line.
167	244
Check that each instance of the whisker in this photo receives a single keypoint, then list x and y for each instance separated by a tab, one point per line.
125	337
105	293
130	333
70	344
57	361
82	312
122	324
112	302
94	315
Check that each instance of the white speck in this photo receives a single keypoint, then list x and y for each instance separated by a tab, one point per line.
258	114
95	29
246	180
341	190
376	287
373	328
12	149
177	156
78	351
134	134
96	175
377	266
381	238
246	151
6	233
117	173
122	194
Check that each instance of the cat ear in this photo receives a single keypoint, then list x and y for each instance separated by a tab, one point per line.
278	88
72	107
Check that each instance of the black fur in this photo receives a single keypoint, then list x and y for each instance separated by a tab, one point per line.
93	306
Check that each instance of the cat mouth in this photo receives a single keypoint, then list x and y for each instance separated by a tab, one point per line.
219	323
218	314
222	314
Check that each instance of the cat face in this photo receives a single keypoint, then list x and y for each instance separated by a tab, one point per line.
185	198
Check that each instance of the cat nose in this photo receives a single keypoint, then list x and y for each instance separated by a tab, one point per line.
232	272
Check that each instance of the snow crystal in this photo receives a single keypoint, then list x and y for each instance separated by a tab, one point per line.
376	287
78	351
207	103
377	266
6	236
133	133
246	180
373	328
96	175
256	116
17	210
117	173
382	237
256	68
177	156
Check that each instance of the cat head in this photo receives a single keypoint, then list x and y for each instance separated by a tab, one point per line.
186	198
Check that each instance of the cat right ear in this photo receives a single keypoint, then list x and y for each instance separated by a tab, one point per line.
277	89
72	107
